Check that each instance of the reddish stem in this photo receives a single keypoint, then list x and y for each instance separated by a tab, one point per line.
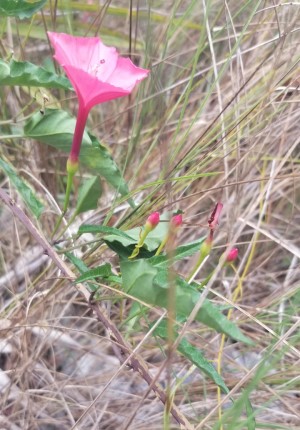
78	133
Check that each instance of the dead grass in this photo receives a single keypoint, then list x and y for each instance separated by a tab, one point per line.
186	141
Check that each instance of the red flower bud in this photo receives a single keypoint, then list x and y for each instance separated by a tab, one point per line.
150	225
152	220
176	220
232	255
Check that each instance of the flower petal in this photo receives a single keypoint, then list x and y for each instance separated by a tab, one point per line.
126	74
96	71
90	90
85	53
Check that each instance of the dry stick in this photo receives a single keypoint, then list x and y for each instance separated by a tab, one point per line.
17	211
135	362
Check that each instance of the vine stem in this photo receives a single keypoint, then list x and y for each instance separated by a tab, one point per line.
133	359
66	203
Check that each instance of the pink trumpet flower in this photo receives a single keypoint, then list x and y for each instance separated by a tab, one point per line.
97	74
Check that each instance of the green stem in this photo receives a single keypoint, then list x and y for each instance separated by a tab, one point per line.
140	243
197	267
162	245
68	191
12	136
205	282
204	254
66	202
67	225
58	223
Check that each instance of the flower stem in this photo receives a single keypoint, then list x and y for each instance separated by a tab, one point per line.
205	249
57	225
139	245
72	167
68	191
78	133
162	245
72	163
202	259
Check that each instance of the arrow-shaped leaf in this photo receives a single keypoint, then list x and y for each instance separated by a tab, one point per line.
194	355
20	8
103	271
27	194
88	195
150	284
23	73
56	128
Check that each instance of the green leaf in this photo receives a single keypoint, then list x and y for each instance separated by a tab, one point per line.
23	73
270	426
103	271
78	263
150	284
88	228
197	358
88	195
27	194
194	355
251	423
125	251
138	280
4	70
81	267
20	8
56	128
180	253
99	160
124	246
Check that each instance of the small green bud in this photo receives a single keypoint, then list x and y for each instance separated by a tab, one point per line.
205	248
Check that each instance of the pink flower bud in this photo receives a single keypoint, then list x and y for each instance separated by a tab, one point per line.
152	220
232	255
176	220
213	220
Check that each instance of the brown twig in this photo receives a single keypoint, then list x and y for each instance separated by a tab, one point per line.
137	363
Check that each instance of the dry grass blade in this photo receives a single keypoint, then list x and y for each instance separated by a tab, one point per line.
217	120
